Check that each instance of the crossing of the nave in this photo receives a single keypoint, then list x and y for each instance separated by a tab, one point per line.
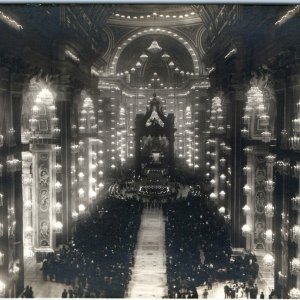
149	150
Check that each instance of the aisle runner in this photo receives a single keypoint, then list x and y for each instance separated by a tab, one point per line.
149	278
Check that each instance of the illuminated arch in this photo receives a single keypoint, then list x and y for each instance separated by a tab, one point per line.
198	68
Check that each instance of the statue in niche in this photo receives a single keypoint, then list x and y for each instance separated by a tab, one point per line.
44	234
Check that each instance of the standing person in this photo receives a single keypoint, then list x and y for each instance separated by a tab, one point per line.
64	294
262	296
26	292
226	291
247	290
255	291
205	294
71	293
30	293
44	268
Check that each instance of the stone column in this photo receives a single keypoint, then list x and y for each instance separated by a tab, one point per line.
237	97
63	113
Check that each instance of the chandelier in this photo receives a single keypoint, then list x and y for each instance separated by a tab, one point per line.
294	293
247	170
58	226
296	169
295	266
296	203
295	232
294	141
154	47
270	159
247	189
283	167
165	57
269	185
246	230
269	210
246	209
144	57
268	261
269	236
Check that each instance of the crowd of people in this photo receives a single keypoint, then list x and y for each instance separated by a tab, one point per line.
198	247
157	190
97	262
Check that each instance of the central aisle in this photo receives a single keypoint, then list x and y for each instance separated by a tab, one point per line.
149	279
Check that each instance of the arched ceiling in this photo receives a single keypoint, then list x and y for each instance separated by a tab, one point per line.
154	64
145	14
153	33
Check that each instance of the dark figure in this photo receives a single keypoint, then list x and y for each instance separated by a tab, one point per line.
252	293
272	294
64	294
247	290
26	293
262	296
205	294
232	293
255	291
226	291
44	268
71	293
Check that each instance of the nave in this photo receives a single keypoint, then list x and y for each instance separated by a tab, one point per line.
109	112
148	278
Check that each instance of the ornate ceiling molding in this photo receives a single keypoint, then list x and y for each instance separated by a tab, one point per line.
198	67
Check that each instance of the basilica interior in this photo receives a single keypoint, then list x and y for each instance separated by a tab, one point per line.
149	151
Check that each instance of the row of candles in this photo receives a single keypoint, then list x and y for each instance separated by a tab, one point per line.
216	151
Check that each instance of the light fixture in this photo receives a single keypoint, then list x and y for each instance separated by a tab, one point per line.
269	236
268	261
165	57
75	215
246	230
246	209
222	195
295	266
213	196
58	207
171	64
269	185
143	57
81	208
296	203
294	293
58	186
222	210
154	47
266	136
58	226
270	159
295	233
247	189
269	210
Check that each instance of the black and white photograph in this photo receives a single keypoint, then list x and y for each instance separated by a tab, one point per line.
150	150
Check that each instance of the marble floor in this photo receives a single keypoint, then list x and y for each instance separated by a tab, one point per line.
149	278
41	288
